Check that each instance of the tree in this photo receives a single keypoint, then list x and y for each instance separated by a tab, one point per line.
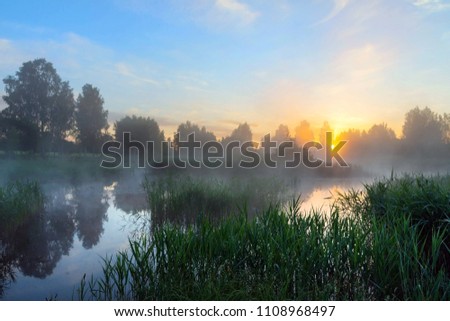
17	134
187	128
282	134
323	133
37	95
241	134
303	133
141	129
423	127
354	145
91	118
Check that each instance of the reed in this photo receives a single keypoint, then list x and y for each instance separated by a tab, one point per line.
352	253
19	200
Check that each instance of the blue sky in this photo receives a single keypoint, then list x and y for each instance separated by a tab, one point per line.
222	62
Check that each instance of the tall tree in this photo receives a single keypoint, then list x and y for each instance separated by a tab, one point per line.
91	118
37	95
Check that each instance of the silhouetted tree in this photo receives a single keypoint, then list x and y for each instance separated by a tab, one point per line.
241	134
379	141
354	144
91	118
425	135
423	128
187	128
16	134
281	134
323	132
36	94
303	133
446	119
142	129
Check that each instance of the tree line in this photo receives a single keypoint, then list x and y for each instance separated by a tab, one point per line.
42	115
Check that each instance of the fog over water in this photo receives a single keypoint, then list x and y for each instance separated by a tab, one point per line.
86	219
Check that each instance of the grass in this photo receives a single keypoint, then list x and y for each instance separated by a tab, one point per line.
373	245
184	199
19	200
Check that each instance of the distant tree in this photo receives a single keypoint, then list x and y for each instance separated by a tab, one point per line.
379	141
354	145
303	133
91	118
446	119
37	95
241	134
142	129
323	132
282	134
423	127
381	133
201	134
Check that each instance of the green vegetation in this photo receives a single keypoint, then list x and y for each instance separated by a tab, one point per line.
388	242
17	202
184	199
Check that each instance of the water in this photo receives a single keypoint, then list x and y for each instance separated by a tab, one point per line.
86	222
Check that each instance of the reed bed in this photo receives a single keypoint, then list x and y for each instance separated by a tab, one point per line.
371	246
19	200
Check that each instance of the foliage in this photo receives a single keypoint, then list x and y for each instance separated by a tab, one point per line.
142	129
353	253
241	134
36	94
187	128
91	118
185	199
17	202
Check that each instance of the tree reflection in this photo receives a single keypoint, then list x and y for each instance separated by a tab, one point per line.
35	247
130	197
91	208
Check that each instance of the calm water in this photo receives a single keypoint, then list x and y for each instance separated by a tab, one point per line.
84	223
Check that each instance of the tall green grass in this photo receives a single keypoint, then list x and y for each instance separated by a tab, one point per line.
19	200
424	201
354	253
185	199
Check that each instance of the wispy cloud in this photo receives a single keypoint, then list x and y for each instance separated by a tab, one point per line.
125	70
240	9
432	5
339	5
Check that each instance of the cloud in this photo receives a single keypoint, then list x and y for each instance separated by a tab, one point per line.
125	70
432	5
222	14
239	9
339	5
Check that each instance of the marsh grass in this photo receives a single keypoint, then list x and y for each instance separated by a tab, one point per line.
185	199
19	200
425	201
286	254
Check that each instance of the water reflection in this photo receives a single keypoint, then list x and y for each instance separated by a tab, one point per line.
35	247
82	223
91	204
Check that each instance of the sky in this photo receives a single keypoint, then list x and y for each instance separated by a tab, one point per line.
219	63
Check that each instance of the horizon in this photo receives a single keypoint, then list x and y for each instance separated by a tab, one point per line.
224	62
